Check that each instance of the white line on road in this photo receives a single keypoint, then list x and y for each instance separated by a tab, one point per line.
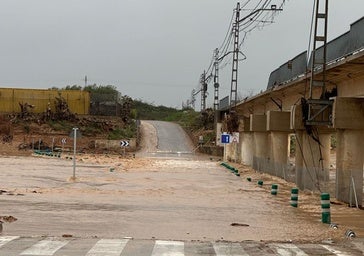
108	247
229	249
287	250
6	239
45	248
168	248
334	251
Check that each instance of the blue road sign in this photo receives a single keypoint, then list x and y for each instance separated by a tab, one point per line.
225	138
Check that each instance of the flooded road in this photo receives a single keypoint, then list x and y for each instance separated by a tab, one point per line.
164	199
172	198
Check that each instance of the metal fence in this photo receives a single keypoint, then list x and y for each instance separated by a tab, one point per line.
105	104
224	103
338	48
289	70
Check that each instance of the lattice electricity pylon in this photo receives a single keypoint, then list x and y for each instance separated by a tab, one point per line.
234	72
319	108
216	79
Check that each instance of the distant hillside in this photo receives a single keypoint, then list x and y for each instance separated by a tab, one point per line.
147	111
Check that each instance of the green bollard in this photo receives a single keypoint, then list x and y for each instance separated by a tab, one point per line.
274	189
294	197
325	206
260	182
249	179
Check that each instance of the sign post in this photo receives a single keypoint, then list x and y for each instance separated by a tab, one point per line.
63	141
74	152
123	145
225	139
75	133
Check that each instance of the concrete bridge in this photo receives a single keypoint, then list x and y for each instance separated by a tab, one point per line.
272	121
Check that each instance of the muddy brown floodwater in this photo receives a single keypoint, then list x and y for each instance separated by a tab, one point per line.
179	198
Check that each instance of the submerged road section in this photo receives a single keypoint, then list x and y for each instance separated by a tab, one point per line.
193	201
164	139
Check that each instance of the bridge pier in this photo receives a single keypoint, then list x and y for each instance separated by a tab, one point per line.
299	160
349	165
348	119
261	151
312	157
278	124
279	145
261	155
315	160
247	148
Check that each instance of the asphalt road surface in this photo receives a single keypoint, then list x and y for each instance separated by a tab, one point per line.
166	201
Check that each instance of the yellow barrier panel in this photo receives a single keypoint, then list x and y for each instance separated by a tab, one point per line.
78	101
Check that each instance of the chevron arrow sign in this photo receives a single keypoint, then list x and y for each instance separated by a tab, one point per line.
124	143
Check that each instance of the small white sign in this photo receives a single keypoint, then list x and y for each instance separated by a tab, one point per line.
235	137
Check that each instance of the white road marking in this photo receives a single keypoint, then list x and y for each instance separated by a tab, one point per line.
168	248
45	248
6	239
334	251
287	249
229	249
108	247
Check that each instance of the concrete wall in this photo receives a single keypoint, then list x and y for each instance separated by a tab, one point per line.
115	145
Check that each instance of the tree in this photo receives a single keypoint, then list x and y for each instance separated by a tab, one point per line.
74	87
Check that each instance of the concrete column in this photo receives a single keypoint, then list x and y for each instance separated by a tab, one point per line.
316	161
325	140
348	119
218	134
278	124
258	125
247	148
229	151
279	153
312	157
349	165
261	151
234	152
299	159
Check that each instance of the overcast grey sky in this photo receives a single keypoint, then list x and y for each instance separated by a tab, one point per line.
154	50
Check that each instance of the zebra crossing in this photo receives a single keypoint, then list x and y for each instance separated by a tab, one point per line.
40	246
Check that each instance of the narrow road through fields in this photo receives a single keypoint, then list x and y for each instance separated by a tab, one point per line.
162	139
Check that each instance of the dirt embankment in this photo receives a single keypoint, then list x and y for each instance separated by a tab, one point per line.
22	137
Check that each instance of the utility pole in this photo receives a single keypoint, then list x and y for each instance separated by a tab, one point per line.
319	108
203	91
236	50
234	72
193	98
85	81
216	80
